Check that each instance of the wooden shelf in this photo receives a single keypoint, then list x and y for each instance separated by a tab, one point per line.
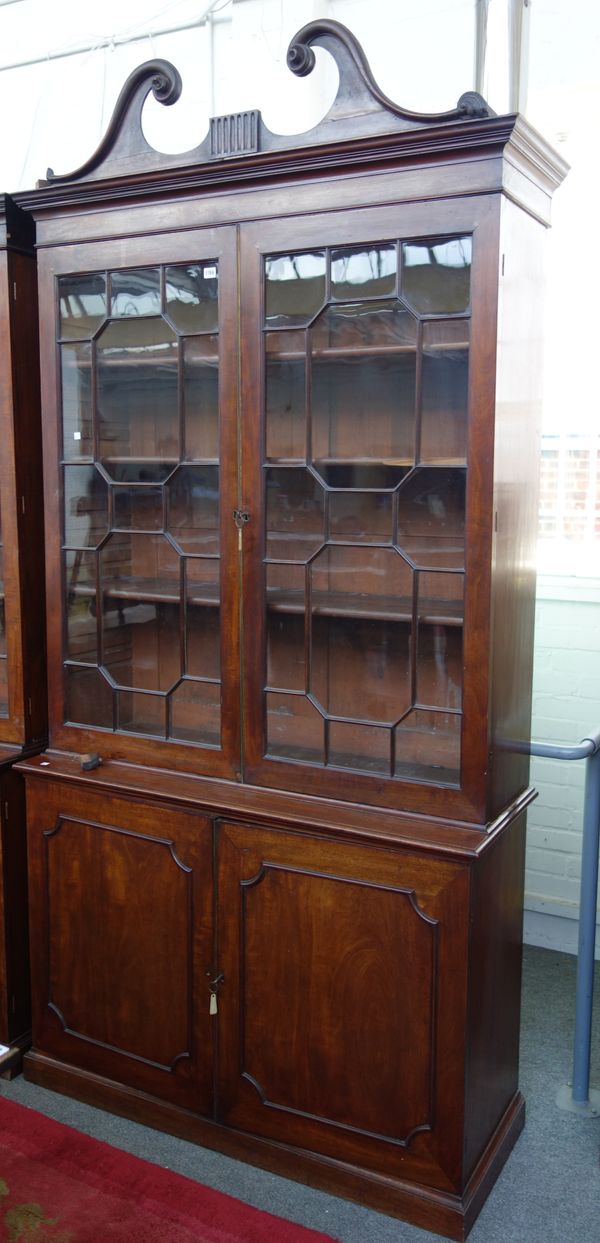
365	351
366	607
149	590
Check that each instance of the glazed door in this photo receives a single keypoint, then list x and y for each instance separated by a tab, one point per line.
144	628
365	422
342	1009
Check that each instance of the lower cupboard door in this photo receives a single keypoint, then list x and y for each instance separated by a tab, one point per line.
343	1006
121	920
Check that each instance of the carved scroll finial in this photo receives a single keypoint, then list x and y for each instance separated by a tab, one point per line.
124	139
358	90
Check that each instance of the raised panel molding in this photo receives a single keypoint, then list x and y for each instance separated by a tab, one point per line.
117	938
357	1022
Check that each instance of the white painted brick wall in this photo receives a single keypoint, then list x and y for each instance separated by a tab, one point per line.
566	707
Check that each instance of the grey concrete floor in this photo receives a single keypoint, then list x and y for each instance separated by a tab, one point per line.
548	1192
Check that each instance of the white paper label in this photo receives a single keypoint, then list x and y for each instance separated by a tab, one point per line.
209	273
76	435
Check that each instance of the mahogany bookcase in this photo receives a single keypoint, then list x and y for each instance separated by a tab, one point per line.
291	397
23	706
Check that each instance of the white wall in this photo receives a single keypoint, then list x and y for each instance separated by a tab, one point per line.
421	51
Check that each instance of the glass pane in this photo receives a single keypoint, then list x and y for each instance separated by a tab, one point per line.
373	327
444	397
135	293
3	686
361	517
436	275
295	509
76	372
80	583
140	640
428	747
363	747
86	506
431	518
203	632
142	714
201	397
138	411
360	667
195	713
140	566
361	609
295	730
369	581
193	509
89	698
286	660
294	288
439	640
2	608
192	297
363	395
82	303
138	508
366	272
285	395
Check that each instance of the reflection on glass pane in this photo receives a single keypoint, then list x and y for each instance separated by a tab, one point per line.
439	666
3	686
142	714
201	397
439	640
294	287
295	513
135	293
203	646
441	598
80	585
193	509
428	747
363	747
88	698
375	327
76	372
195	713
362	517
140	642
295	730
431	518
436	275
82	302
139	565
378	654
86	506
286	662
191	296
366	271
138	416
285	395
444	399
138	509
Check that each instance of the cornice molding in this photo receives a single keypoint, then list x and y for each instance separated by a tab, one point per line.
360	109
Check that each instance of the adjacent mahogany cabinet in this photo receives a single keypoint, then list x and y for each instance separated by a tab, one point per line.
23	712
291	395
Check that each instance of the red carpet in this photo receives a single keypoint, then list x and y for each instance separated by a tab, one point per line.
58	1186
